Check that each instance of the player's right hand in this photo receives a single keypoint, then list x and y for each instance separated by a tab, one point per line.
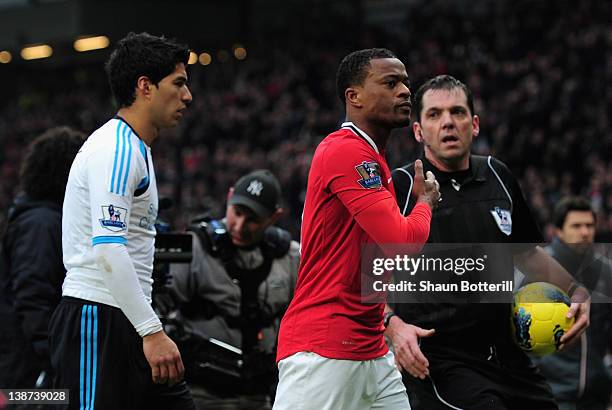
164	358
405	341
425	189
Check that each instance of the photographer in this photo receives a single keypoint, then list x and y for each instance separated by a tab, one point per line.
232	296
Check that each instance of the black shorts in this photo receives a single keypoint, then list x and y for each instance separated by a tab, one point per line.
97	354
478	380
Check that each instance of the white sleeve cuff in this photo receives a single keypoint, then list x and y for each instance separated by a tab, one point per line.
149	327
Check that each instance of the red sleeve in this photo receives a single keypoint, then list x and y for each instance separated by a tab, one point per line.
342	178
375	208
385	225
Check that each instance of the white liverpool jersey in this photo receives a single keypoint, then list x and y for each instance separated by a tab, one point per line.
111	197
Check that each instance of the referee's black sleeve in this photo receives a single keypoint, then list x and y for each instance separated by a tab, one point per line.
524	226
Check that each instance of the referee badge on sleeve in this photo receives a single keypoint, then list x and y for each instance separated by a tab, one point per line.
503	218
113	218
370	175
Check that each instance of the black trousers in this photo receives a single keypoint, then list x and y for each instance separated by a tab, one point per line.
97	355
479	380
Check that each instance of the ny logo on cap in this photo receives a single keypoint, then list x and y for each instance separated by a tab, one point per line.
255	188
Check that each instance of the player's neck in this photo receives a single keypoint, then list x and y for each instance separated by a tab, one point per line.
379	135
461	164
140	123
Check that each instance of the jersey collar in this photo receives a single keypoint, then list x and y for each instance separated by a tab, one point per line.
477	168
120	118
359	132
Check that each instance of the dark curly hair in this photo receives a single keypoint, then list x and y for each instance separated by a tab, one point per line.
354	67
138	55
441	82
44	170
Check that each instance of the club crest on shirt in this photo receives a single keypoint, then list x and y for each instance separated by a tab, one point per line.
503	218
370	175
113	218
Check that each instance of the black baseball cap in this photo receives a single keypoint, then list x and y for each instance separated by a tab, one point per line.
259	191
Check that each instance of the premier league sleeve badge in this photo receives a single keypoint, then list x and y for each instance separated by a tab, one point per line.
113	218
370	175
503	219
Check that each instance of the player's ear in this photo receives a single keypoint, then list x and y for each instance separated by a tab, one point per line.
353	97
143	85
418	132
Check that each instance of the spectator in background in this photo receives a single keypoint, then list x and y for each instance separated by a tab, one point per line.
235	291
543	100
33	272
578	375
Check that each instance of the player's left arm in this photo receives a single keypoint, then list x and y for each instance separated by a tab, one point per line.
111	194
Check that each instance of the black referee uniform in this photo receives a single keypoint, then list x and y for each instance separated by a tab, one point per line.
473	361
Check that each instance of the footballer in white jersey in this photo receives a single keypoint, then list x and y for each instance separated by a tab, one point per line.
108	347
111	197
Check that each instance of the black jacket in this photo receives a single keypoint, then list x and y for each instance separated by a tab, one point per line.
466	213
30	289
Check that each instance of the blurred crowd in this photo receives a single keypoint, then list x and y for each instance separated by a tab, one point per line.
541	74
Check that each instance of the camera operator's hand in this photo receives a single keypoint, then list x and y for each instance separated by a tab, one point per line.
164	358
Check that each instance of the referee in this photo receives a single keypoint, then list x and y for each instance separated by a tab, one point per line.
466	358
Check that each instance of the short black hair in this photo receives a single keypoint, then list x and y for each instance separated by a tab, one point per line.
44	170
138	55
354	67
568	204
441	82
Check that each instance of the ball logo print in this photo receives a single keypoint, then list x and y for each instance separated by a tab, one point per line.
539	317
255	188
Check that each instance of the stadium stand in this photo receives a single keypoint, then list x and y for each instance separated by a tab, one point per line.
541	77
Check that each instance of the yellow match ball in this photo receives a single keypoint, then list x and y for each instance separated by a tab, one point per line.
539	317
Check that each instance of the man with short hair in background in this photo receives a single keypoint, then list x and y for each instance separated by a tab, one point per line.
578	375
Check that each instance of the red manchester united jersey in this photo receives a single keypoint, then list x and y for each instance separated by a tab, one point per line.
350	201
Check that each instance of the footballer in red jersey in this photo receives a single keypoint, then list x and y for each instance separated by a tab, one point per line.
328	332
